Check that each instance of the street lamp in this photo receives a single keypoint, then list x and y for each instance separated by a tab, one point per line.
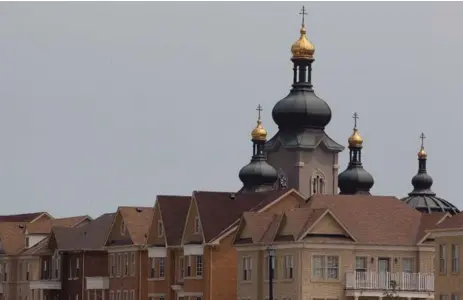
271	255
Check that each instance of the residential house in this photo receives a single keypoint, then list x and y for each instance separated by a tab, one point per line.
206	266
337	247
28	261
448	241
128	257
68	259
164	245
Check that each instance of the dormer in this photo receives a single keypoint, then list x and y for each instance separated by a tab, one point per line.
31	238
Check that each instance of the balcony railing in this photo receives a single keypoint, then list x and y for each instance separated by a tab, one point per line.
418	282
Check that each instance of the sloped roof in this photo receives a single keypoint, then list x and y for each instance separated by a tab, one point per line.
377	220
12	239
174	211
44	227
138	221
454	222
219	210
26	218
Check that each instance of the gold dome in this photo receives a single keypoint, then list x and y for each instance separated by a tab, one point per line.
422	154
355	140
303	48
259	133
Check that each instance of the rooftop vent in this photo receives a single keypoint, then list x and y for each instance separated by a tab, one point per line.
232	196
138	210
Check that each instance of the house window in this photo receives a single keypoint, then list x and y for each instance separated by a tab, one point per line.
28	270
455	297
247	268
455	258
160	229
111	295
407	265
442	258
318	183
288	266
161	267
77	267
360	264
181	268
443	297
199	265
118	295
119	264
77	296
122	228
27	242
132	261
20	270
132	295
188	266
325	267
5	275
112	266
267	262
197	225
152	267
126	295
126	264
70	269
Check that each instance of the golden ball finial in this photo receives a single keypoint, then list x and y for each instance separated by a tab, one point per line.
355	140
422	154
259	133
303	48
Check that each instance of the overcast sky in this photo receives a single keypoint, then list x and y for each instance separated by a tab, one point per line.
107	104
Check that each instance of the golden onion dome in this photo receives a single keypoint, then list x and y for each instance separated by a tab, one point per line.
355	140
259	133
422	154
303	48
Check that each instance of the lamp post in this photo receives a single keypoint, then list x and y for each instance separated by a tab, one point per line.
271	255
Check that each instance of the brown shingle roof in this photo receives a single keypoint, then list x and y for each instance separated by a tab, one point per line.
174	211
138	221
44	227
454	222
12	239
39	248
429	221
219	210
26	218
91	236
378	220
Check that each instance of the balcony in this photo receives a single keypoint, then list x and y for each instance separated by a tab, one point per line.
375	284
97	283
45	284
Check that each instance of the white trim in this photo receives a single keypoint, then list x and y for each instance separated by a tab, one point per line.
157	252
193	250
232	228
97	283
292	245
446	233
126	248
428	233
189	294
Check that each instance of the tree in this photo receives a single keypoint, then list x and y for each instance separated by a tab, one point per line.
392	293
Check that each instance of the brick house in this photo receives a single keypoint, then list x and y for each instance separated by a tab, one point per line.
337	247
164	245
204	266
66	259
128	257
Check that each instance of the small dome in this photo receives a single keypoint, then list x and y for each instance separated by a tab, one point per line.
429	203
259	133
301	109
355	140
302	48
422	154
355	180
258	173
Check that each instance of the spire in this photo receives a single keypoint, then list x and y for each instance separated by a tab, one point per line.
355	179
258	175
422	181
303	48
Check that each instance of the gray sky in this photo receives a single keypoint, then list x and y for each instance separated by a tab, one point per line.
107	104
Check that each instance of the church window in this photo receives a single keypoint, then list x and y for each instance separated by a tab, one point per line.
318	183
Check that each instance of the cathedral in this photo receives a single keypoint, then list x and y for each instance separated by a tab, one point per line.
301	155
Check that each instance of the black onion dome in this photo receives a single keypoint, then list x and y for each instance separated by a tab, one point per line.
301	109
355	180
257	173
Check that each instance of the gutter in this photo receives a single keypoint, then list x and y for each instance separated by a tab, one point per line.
83	274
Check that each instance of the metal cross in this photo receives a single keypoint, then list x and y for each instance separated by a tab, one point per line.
422	137
259	109
355	117
303	13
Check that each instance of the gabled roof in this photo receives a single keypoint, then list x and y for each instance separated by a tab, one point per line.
430	221
44	227
453	223
137	220
12	239
174	211
376	220
219	210
91	236
25	218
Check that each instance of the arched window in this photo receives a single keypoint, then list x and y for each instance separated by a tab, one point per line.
318	183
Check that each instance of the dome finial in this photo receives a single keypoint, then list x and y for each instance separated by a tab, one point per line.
355	140
422	154
259	133
303	48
